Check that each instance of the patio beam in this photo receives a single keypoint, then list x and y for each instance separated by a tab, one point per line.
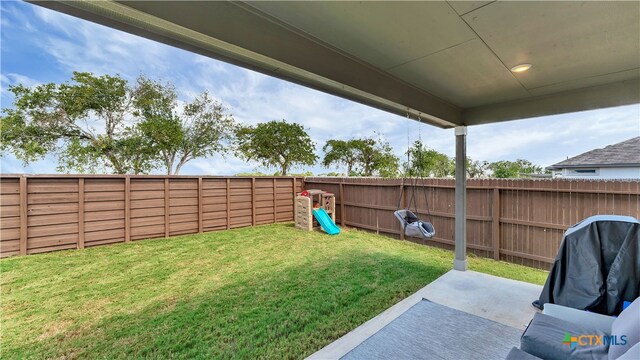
460	262
621	93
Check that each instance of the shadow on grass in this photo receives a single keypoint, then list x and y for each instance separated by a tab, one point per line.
286	314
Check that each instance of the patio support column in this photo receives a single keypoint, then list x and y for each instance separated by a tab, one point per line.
460	262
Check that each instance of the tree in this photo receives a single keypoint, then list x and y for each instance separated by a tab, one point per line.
362	157
477	168
513	169
99	123
276	144
202	129
376	158
332	174
340	153
427	162
84	123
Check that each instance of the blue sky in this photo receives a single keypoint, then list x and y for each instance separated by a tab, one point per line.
40	46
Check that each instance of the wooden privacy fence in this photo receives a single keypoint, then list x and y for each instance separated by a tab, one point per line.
42	213
520	221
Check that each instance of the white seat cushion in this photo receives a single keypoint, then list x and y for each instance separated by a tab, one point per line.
628	325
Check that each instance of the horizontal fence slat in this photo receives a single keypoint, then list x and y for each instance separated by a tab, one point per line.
43	213
516	220
532	214
527	256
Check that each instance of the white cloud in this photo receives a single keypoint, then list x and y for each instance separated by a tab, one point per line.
494	145
550	139
83	46
216	165
9	79
13	18
15	79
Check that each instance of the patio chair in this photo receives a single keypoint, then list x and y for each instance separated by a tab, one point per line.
556	334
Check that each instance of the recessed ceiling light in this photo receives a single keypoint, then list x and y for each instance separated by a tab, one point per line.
521	68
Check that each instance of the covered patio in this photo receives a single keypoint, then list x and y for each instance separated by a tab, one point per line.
447	64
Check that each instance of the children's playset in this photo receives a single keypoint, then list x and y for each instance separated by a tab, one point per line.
316	208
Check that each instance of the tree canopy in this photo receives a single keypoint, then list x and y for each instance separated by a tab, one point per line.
377	158
431	163
340	153
362	157
514	169
276	144
427	162
202	129
476	169
101	124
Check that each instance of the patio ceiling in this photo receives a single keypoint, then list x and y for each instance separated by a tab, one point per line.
448	62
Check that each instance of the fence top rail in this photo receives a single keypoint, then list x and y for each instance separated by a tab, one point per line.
501	181
487	182
116	176
619	187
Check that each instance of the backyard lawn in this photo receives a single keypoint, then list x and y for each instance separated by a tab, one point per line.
262	292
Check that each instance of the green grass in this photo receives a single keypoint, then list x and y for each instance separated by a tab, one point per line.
262	292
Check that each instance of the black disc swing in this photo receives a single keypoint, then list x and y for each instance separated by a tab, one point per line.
411	223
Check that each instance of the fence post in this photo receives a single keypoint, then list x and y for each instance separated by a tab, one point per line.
495	229
127	209
342	214
275	202
166	207
200	227
23	215
294	199
228	203
81	213
253	201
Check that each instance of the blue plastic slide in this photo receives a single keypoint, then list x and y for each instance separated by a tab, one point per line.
325	221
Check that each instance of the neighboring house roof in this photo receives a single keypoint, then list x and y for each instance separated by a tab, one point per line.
623	154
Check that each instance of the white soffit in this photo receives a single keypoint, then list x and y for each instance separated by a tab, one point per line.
466	75
463	7
384	34
463	53
571	44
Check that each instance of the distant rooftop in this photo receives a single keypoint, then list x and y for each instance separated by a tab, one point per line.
623	154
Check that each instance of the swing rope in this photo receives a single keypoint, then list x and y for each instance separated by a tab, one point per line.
405	216
406	168
413	179
424	188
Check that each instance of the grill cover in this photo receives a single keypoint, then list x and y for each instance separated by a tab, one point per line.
597	267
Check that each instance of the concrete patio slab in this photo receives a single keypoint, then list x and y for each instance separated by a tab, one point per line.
502	300
432	331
